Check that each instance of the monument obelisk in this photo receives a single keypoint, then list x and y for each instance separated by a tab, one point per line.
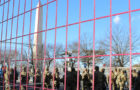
37	43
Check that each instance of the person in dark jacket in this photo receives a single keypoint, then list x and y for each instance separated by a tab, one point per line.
38	79
104	82
98	79
11	77
1	77
137	82
16	75
57	79
86	80
48	78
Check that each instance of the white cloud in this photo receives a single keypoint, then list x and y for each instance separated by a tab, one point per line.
116	19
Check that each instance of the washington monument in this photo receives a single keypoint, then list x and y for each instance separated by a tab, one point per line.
37	48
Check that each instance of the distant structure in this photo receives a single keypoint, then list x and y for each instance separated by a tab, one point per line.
37	48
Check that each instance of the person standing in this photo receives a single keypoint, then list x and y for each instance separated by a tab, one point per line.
1	79
122	80
57	79
98	79
6	78
48	78
135	75
118	80
112	80
137	82
38	79
16	75
115	78
104	82
11	78
86	80
23	78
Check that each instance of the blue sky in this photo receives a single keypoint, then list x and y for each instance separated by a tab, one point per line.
102	25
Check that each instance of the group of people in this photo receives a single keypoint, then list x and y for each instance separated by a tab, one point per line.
119	79
37	79
100	80
8	77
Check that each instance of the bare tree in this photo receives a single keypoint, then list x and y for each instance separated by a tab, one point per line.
9	56
120	45
86	49
50	53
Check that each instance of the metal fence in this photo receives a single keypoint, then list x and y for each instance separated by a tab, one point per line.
25	40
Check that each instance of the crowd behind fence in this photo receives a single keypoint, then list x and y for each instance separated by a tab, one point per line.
10	79
86	79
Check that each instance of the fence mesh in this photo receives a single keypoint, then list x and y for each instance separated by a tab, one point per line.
49	44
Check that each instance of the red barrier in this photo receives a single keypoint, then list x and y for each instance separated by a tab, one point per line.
4	40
